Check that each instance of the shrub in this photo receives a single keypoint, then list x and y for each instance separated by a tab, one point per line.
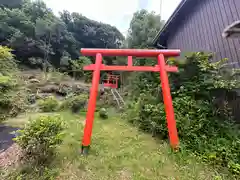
103	113
40	137
64	89
49	104
12	103
7	63
7	83
75	103
12	96
57	77
203	127
77	65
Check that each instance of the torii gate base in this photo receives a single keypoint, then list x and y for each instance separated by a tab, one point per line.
161	67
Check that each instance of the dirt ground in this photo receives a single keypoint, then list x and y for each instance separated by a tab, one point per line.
9	151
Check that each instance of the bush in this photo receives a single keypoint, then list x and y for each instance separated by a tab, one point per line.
75	103
49	104
40	137
203	127
12	103
13	98
76	66
57	77
64	89
7	63
103	113
7	83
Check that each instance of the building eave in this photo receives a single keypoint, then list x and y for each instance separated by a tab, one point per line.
169	21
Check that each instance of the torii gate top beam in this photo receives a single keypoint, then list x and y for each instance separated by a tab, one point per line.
130	52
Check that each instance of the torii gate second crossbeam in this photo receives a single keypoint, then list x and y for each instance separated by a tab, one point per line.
162	68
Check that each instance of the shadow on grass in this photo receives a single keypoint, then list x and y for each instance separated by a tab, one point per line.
6	136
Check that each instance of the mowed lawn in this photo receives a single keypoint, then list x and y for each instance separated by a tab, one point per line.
121	152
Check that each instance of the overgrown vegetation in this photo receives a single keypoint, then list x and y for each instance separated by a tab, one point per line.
118	151
12	95
74	102
205	127
49	104
201	91
40	137
75	68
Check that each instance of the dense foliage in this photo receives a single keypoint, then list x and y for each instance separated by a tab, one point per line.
75	102
12	95
49	104
204	126
40	138
75	68
201	94
143	28
41	39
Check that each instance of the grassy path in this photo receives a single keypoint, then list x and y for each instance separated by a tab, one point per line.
121	152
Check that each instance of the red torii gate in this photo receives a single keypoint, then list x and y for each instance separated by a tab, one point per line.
161	67
111	81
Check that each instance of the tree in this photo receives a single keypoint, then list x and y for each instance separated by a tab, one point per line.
143	28
91	33
38	37
43	30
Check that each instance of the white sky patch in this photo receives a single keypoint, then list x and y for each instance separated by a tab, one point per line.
168	6
115	12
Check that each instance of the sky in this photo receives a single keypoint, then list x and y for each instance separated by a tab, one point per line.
114	12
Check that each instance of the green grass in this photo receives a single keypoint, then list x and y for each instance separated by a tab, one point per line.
120	152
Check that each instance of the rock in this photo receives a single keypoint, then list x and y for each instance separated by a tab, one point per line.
43	95
101	92
32	98
80	89
53	83
34	81
31	77
64	89
49	89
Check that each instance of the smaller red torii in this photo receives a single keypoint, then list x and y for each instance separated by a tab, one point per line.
111	81
162	68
